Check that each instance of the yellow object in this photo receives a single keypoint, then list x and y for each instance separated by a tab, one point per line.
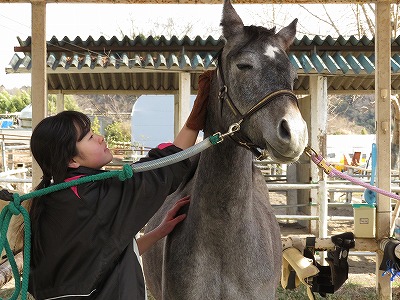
304	267
364	220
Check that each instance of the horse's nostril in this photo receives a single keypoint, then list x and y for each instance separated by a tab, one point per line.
284	130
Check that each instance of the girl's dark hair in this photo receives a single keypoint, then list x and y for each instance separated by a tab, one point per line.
53	145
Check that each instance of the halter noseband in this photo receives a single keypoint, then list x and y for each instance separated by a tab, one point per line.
239	138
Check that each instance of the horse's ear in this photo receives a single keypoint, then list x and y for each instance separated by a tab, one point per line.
287	34
231	22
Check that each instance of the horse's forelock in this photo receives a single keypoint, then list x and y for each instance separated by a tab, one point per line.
259	30
253	34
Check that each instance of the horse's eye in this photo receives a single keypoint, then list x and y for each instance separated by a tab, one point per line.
244	67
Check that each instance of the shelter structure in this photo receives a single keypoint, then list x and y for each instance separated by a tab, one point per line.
319	74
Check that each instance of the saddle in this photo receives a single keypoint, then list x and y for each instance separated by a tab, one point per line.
298	268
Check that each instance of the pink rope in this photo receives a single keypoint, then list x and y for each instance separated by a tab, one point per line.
332	172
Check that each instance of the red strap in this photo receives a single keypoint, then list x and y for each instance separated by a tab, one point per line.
74	188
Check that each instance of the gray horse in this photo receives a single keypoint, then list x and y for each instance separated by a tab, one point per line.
229	246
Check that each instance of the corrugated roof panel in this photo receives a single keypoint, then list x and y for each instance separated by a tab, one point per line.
317	40
161	61
112	61
63	61
51	80
366	41
368	83
15	62
302	83
330	63
396	41
184	62
136	61
84	80
123	59
295	62
75	82
356	83
173	61
209	61
94	81
318	63
395	63
87	61
75	61
366	63
197	61
341	62
115	80
148	61
337	82
51	61
330	40
306	63
341	41
353	40
88	58
355	65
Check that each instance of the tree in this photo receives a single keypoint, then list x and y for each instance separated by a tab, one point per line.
13	103
118	132
69	103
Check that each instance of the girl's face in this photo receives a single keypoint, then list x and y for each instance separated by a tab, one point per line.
92	152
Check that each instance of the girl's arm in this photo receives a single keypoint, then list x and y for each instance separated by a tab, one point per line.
197	118
186	137
167	225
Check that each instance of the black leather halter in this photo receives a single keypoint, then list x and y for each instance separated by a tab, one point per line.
239	137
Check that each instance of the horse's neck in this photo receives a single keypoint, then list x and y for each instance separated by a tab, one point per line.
225	175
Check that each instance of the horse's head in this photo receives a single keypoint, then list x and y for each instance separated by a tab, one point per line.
255	78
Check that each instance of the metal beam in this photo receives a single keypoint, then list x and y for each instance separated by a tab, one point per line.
195	1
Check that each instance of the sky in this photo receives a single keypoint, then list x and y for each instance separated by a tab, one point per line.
72	20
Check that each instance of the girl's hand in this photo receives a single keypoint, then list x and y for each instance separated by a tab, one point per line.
171	219
167	225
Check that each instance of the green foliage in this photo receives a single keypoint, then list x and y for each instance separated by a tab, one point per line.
13	103
117	132
69	103
96	125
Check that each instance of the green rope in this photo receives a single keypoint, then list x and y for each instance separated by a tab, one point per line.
215	139
15	208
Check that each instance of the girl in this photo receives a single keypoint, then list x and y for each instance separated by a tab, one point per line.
82	236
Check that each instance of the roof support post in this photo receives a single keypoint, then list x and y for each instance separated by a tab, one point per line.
383	125
182	102
318	118
39	75
60	102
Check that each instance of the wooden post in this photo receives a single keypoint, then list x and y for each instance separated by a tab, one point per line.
182	102
383	121
319	116
39	75
60	102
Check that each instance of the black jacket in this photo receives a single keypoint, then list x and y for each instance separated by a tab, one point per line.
87	234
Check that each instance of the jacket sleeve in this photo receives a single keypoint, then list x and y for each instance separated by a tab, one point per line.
124	207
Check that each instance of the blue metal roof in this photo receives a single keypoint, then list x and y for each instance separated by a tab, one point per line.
153	63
